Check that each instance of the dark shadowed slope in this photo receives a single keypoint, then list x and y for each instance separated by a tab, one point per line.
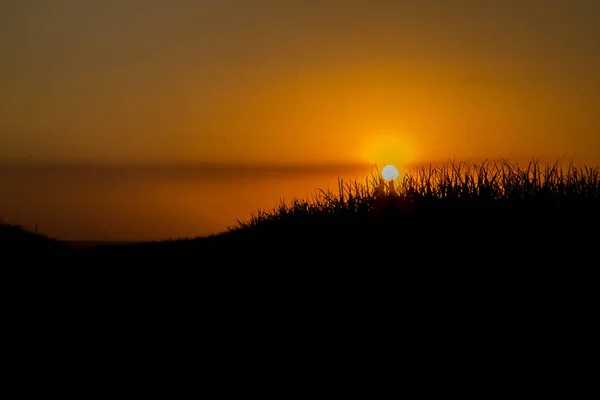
19	245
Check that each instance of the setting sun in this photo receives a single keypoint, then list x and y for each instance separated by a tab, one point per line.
389	172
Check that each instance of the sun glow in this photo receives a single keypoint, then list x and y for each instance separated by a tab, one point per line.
388	149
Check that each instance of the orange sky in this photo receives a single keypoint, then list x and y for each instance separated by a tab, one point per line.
289	81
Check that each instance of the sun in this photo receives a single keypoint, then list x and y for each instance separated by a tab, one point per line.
389	172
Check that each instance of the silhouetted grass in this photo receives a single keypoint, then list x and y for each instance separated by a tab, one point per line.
457	212
490	189
496	211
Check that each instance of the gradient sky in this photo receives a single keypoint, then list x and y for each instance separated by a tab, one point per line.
298	81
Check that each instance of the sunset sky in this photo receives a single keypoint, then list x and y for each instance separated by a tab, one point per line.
298	81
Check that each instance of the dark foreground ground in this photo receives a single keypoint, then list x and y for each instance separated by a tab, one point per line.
448	265
500	291
505	240
366	242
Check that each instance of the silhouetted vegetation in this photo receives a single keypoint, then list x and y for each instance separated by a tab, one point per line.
451	192
496	211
